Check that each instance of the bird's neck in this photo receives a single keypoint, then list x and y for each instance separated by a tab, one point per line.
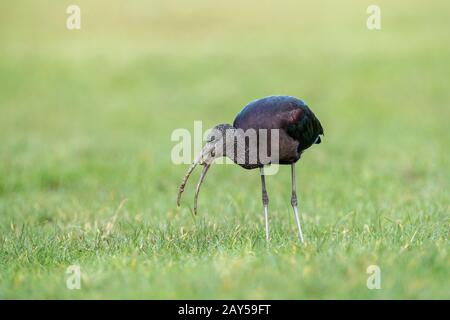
237	148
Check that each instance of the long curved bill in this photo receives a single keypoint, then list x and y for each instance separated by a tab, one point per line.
189	172
202	177
185	179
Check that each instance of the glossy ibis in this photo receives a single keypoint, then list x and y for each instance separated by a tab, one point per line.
296	126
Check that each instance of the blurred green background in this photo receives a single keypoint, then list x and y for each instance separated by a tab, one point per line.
86	176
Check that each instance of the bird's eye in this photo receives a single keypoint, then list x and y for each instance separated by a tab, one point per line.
210	139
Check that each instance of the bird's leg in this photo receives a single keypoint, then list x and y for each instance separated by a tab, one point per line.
294	203
265	201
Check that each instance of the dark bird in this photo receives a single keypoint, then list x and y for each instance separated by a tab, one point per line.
283	126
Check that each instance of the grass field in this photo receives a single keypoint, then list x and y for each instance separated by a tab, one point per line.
86	176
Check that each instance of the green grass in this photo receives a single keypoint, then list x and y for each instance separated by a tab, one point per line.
85	170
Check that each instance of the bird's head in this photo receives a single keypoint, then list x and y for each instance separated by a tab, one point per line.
215	144
214	148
